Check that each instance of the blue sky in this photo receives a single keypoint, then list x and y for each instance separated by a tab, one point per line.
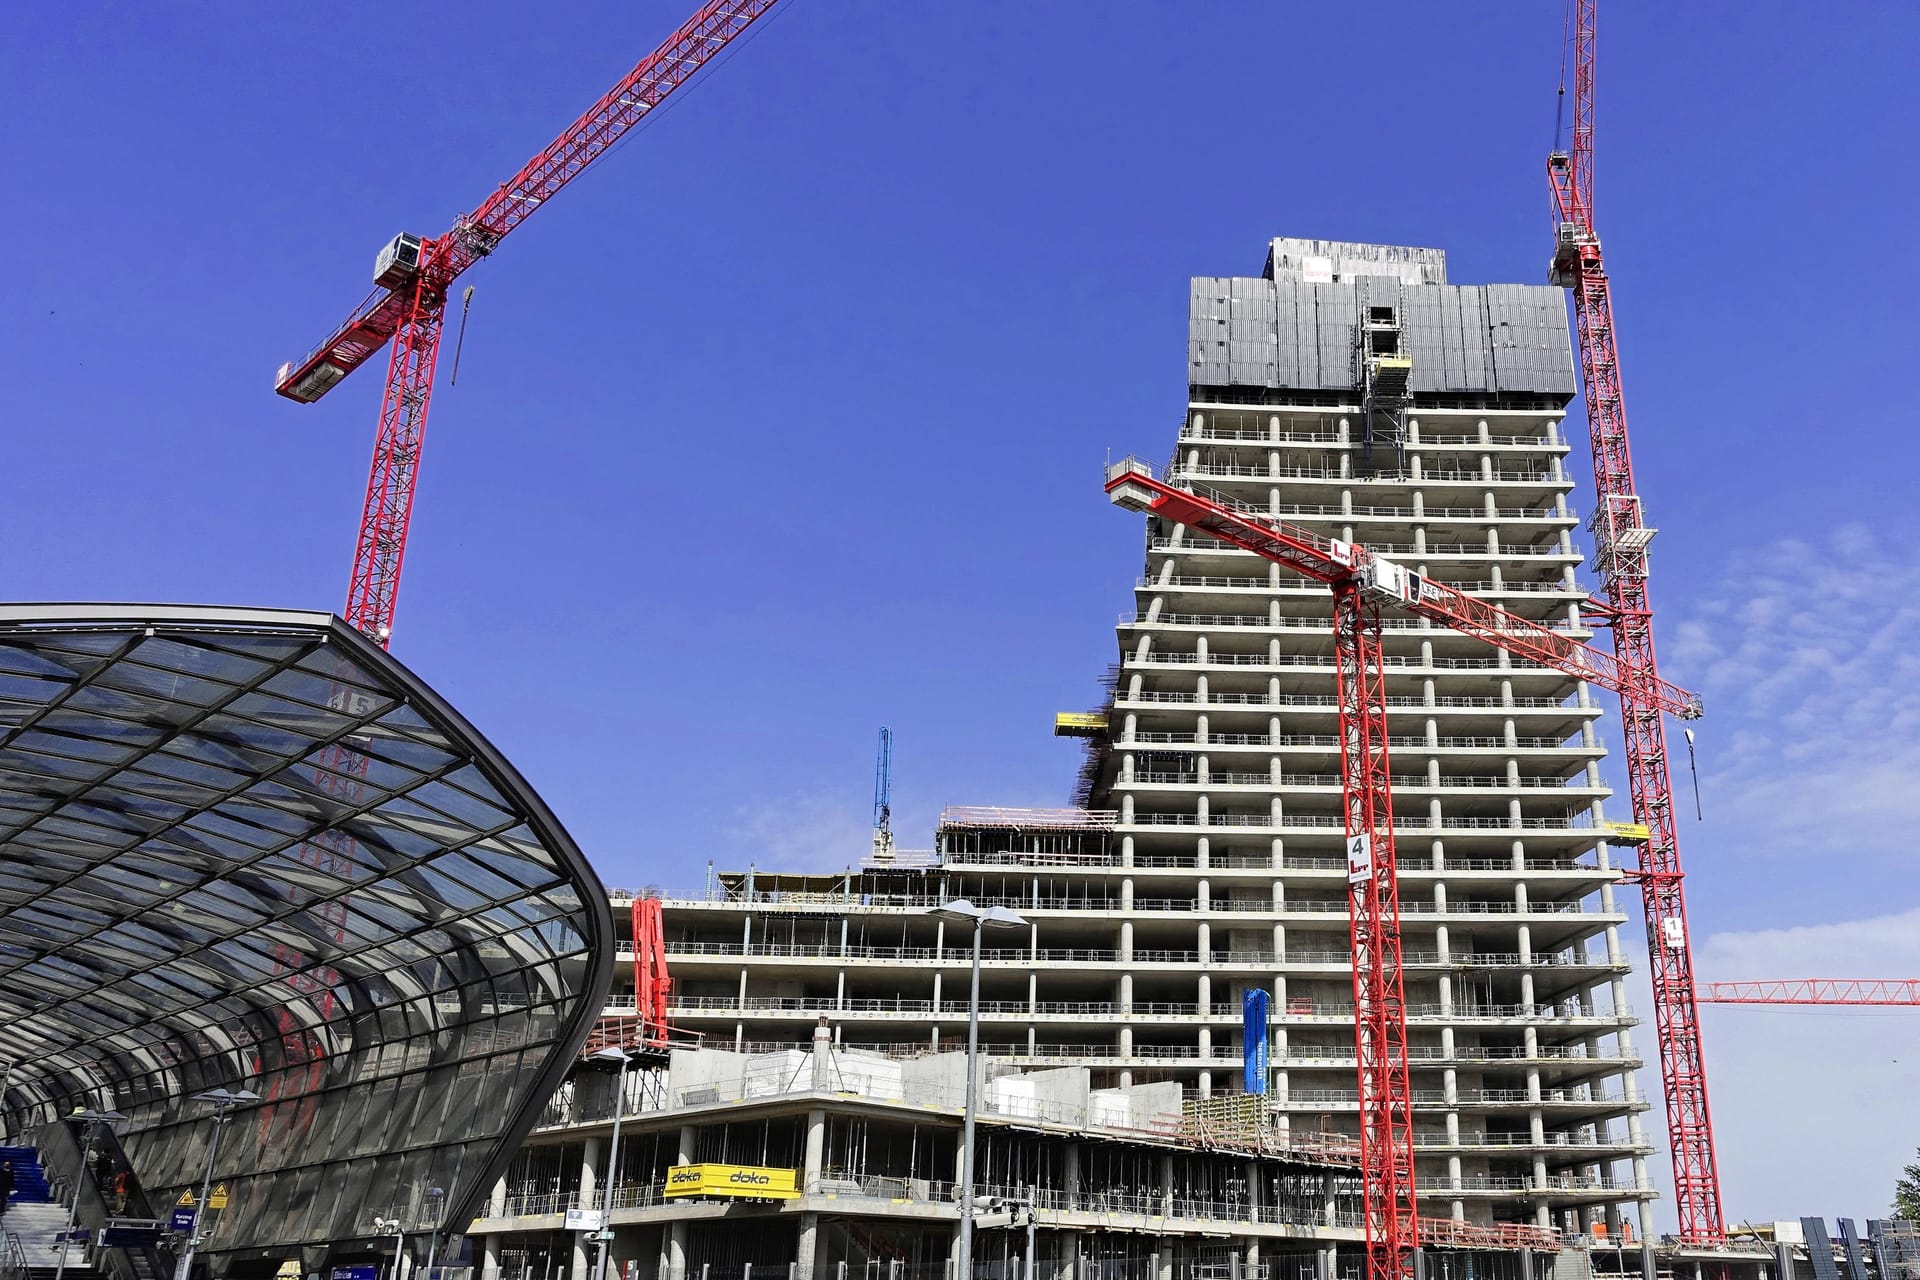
785	422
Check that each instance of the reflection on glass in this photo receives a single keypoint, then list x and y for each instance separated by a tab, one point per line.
252	851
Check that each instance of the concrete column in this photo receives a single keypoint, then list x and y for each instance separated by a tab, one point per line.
589	1197
497	1202
805	1246
490	1257
822	1058
816	1149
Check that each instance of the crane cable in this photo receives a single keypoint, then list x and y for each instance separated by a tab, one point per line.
466	305
1560	100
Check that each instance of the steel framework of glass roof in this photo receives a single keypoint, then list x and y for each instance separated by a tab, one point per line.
248	849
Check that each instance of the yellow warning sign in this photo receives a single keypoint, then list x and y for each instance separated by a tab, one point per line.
186	1200
1628	832
218	1200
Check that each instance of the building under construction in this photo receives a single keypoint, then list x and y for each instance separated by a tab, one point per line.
1350	390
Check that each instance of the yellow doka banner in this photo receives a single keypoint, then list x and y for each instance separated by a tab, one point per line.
732	1180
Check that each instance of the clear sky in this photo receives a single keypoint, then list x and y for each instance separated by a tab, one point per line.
786	421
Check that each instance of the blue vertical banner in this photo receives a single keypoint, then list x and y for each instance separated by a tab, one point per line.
1253	1035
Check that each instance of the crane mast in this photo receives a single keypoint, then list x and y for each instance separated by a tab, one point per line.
1621	536
1363	583
412	280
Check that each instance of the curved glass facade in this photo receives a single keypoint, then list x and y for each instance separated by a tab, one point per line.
248	849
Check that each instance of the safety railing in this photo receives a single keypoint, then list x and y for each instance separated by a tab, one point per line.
1487	586
1575	822
1399	742
1227	698
1416	439
1318	662
13	1258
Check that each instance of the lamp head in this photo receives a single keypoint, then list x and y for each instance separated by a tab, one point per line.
959	911
1001	918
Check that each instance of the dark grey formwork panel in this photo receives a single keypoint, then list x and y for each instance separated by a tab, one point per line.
1850	1246
247	848
1286	331
1307	349
1510	367
1250	333
1425	344
1453	367
1476	352
1556	342
1334	315
1819	1249
1207	337
1462	339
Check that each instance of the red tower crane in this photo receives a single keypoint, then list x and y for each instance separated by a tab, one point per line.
1620	535
1362	584
1803	991
412	277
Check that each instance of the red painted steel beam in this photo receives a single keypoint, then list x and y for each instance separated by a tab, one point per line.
474	235
410	314
1621	536
1389	1204
1329	560
1816	991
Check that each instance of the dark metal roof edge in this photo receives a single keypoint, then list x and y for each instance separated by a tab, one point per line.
599	911
76	612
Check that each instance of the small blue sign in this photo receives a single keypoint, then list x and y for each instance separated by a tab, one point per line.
182	1220
1253	1036
368	1272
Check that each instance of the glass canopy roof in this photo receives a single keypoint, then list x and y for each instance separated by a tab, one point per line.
249	849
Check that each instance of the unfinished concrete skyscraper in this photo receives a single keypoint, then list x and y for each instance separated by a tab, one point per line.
1222	763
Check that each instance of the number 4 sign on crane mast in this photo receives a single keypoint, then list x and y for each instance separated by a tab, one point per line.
1363	583
412	279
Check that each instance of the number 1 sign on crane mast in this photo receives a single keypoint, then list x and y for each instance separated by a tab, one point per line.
1620	536
412	279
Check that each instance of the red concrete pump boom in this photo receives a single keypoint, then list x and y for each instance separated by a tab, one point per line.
412	277
1363	583
1829	991
1621	534
652	987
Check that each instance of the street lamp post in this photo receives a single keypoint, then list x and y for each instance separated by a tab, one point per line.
961	911
93	1120
1033	1232
622	1062
223	1102
435	1196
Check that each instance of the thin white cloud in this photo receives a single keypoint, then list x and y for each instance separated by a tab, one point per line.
1810	751
1804	653
1814	1107
803	831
